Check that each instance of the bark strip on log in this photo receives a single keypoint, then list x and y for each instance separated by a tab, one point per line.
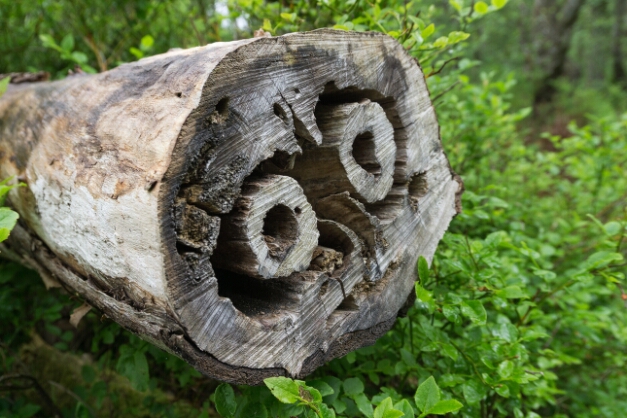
255	207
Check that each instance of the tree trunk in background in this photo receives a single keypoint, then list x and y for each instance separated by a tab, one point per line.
618	74
255	207
553	23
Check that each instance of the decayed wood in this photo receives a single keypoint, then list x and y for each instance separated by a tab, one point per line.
357	153
256	207
271	230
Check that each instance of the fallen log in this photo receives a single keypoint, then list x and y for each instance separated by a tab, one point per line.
255	207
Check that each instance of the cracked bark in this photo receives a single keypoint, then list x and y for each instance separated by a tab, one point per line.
256	207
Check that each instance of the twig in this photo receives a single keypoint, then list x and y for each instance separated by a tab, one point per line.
33	384
442	67
444	92
102	63
472	257
468	359
74	395
201	41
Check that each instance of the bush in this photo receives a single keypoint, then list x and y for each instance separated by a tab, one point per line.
522	312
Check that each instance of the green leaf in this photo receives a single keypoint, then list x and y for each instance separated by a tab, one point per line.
339	405
67	43
309	394
79	57
322	387
408	358
387	410
481	7
326	412
456	5
133	365
451	312
499	3
88	373
49	42
441	42
456	37
267	25
353	386
225	400
508	332
4	84
474	310
423	269
444	407
136	52
146	43
474	391
405	407
141	374
28	410
601	259
427	394
425	33
283	388
511	292
425	297
8	219
502	390
384	406
610	228
363	404
505	369
450	351
336	386
290	17
254	410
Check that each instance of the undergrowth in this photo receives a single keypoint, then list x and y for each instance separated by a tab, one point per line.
522	312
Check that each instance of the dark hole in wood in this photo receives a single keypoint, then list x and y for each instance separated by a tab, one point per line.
223	106
151	185
348	304
184	248
418	188
364	153
297	90
389	208
221	113
280	230
418	185
280	113
282	160
297	210
254	297
324	288
331	236
179	94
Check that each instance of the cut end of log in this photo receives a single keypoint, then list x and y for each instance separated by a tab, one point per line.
255	207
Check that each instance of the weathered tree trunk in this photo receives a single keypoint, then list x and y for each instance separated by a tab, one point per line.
553	22
255	207
618	74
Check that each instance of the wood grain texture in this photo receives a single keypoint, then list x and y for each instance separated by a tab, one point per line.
256	207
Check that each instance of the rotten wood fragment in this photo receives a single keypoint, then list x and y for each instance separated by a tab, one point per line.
254	207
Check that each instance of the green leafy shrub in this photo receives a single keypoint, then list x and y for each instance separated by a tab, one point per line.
8	218
522	312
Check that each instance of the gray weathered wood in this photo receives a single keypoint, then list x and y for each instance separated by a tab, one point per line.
255	207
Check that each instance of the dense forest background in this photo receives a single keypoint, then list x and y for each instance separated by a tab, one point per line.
522	313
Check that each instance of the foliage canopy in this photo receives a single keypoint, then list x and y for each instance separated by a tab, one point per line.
522	313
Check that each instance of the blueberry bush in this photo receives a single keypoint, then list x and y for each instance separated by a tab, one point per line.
522	313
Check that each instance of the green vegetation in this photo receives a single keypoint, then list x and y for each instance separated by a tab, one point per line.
522	312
